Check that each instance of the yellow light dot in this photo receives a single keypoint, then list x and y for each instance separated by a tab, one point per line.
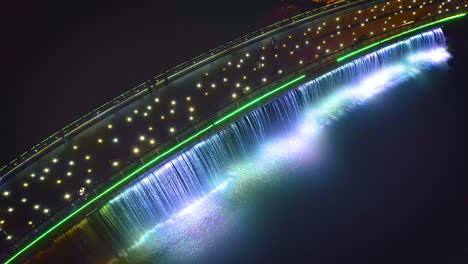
9	237
6	193
75	147
100	140
88	181
188	98
150	128
46	170
136	150
46	211
25	185
162	117
173	102
67	196
142	138
172	130
156	100
90	170
115	140
191	109
59	181
69	173
36	207
109	126
87	157
2	222
234	95
129	119
23	200
10	209
115	163
55	160
30	223
152	141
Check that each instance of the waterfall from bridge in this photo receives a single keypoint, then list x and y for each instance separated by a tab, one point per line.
160	209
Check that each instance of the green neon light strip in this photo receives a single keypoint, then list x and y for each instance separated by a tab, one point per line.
140	169
398	35
240	109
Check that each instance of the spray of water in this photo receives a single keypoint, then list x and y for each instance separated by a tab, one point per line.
182	204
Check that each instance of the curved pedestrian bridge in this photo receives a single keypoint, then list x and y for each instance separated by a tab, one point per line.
73	172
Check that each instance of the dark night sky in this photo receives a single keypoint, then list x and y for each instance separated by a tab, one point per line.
61	59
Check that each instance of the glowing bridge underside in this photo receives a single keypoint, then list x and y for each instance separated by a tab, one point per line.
75	170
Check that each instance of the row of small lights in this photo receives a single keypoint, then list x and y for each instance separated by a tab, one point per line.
71	163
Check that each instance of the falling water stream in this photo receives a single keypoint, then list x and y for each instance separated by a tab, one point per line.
189	202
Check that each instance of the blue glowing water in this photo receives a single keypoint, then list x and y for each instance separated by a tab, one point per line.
192	201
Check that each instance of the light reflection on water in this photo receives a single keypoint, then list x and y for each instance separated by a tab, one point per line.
217	215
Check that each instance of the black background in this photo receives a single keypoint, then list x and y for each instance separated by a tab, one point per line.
399	194
61	59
